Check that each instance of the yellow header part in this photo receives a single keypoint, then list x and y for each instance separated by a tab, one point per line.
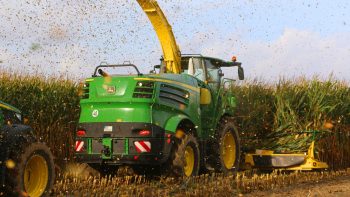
171	52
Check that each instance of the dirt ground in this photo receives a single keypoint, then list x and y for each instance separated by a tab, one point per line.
339	187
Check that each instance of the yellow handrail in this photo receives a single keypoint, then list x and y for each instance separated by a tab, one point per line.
171	51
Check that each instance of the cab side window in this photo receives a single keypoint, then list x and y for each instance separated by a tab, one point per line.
213	72
199	71
194	66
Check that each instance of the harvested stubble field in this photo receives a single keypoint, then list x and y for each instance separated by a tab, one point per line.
244	183
273	116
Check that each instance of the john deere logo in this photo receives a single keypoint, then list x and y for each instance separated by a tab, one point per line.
110	89
94	113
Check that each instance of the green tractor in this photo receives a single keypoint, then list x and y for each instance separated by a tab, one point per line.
179	119
26	166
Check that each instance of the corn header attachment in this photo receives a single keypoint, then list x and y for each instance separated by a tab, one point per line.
268	160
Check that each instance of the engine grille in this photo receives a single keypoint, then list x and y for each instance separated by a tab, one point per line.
174	95
144	89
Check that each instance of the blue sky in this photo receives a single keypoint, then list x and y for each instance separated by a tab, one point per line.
272	38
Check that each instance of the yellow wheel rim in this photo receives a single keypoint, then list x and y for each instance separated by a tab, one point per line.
36	176
189	161
228	150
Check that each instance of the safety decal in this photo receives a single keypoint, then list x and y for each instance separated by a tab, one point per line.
143	146
79	146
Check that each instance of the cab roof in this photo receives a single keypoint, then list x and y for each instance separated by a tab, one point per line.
215	61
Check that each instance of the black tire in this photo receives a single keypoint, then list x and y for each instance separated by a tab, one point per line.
226	129
178	161
32	157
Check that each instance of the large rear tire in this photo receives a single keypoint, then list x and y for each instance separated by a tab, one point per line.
185	160
226	148
33	170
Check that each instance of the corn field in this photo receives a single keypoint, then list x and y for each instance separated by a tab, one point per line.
285	116
50	104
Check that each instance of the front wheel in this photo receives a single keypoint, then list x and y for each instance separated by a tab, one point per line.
186	157
226	148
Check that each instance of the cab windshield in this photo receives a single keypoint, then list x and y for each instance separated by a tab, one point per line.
193	66
204	69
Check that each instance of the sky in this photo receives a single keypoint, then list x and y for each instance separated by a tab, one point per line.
273	39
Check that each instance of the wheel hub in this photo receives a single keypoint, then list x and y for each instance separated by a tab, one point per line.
228	150
189	161
36	176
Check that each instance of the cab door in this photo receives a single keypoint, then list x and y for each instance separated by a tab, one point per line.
212	82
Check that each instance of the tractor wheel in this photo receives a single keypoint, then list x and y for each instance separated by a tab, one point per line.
226	149
186	157
33	171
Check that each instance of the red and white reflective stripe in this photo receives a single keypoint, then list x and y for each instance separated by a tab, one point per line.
143	146
79	146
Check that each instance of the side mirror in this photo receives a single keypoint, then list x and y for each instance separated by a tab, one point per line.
240	73
156	67
205	96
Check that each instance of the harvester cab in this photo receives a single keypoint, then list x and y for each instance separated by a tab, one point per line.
207	69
